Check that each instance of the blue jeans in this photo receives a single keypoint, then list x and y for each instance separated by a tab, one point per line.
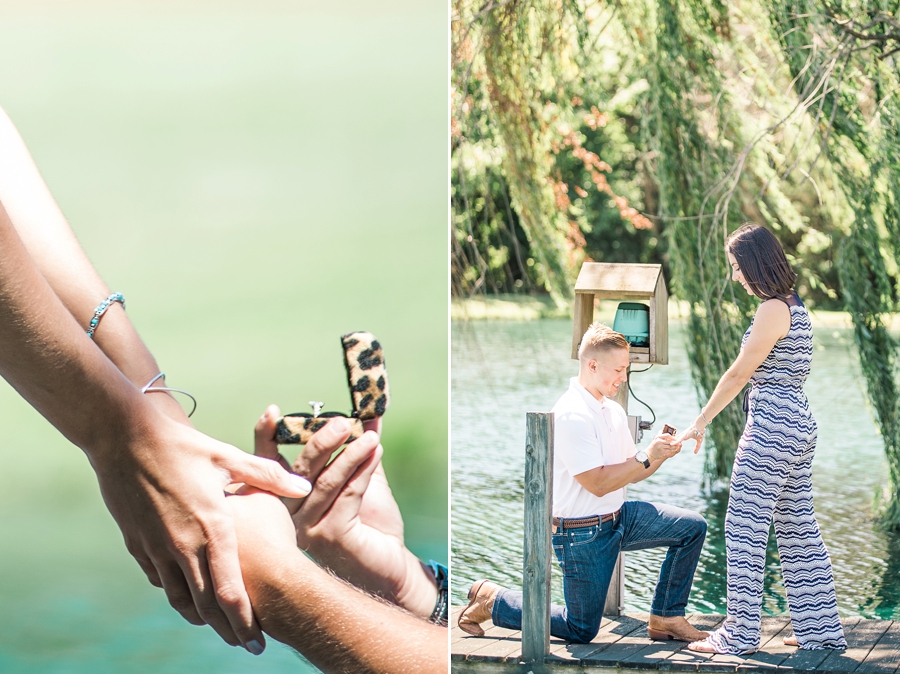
587	557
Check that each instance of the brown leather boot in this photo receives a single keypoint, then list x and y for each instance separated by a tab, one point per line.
481	601
673	627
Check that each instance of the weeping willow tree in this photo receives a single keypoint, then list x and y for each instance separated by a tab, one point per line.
843	57
775	112
523	51
691	141
518	100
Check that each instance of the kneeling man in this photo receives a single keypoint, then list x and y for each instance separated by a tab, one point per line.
594	458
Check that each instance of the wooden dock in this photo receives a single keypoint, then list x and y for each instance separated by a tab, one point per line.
622	644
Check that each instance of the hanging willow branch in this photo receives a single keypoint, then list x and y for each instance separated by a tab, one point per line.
687	136
848	53
522	52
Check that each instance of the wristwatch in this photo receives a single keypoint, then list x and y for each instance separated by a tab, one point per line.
442	580
642	457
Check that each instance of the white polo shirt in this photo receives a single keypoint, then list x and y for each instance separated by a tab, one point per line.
587	433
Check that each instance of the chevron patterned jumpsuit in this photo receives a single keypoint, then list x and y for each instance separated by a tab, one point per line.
772	479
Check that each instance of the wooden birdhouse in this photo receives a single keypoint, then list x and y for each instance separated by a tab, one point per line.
643	315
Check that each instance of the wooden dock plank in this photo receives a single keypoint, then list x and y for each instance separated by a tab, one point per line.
623	644
684	660
772	652
473	645
637	650
467	643
861	637
856	632
505	646
456	634
884	657
659	651
611	631
771	626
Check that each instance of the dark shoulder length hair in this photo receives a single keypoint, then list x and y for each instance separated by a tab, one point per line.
762	262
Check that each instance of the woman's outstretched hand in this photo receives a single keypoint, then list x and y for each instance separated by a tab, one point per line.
695	432
167	494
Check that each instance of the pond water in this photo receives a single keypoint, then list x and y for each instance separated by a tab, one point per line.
501	370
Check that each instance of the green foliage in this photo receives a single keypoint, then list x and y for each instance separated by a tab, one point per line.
646	131
530	135
688	168
854	66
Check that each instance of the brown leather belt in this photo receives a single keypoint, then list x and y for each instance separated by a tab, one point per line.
584	521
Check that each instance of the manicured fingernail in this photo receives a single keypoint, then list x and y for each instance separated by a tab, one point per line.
254	647
301	484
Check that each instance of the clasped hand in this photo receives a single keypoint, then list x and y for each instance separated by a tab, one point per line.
167	494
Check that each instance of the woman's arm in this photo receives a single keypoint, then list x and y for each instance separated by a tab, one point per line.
772	322
162	481
52	245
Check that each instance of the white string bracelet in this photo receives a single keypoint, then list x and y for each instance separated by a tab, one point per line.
101	309
704	417
149	388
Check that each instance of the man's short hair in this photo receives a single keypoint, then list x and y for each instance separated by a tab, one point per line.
598	340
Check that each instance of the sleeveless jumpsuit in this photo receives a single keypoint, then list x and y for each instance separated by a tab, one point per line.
772	479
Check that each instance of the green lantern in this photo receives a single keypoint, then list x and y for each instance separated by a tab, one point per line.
633	321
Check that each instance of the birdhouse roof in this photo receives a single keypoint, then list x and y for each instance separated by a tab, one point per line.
620	280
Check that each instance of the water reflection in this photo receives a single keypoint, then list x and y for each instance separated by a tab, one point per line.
501	370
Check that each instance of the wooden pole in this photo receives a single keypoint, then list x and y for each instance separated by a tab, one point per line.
538	514
615	596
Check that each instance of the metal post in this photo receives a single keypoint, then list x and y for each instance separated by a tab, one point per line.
538	514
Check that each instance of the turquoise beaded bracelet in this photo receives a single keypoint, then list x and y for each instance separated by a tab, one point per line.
101	309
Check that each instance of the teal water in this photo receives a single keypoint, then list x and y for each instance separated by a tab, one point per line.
501	370
257	179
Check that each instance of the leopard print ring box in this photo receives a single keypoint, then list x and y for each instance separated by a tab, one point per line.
367	378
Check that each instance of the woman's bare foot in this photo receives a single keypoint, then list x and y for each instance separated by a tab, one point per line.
705	647
701	647
791	641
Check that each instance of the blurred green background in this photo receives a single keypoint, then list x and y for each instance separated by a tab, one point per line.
257	178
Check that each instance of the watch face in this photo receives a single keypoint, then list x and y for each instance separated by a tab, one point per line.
641	456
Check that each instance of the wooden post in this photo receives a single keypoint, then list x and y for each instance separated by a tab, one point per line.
615	595
583	317
538	514
621	281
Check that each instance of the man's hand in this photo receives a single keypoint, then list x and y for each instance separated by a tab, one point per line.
663	447
167	496
350	522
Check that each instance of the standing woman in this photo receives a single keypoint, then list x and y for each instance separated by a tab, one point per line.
772	467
